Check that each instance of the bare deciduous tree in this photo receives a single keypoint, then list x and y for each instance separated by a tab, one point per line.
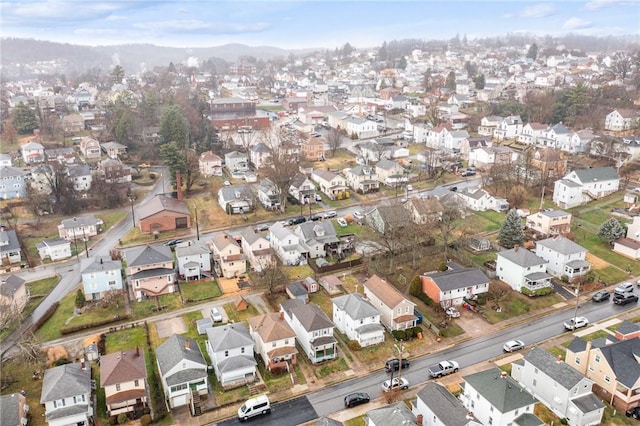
333	139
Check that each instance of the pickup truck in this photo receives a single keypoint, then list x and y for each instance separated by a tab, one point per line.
443	368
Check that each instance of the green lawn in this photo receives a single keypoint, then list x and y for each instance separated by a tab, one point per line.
111	218
328	368
145	308
519	304
127	339
601	249
493	216
194	291
323	300
350	229
42	287
240	316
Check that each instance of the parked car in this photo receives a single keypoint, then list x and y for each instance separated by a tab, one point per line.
577	322
601	296
172	243
262	227
453	188
358	215
296	220
342	222
226	183
409	187
513	345
216	315
394	364
452	312
328	215
625	299
144	165
394	384
316	217
356	398
468	173
624	288
318	198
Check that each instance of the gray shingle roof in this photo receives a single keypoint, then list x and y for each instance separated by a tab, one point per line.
622	358
100	264
8	241
65	381
443	404
229	336
9	410
503	393
236	362
147	255
597	174
7	171
356	306
627	327
528	419
393	415
522	257
561	372
458	278
561	245
80	222
174	350
193	248
309	314
554	213
10	284
588	403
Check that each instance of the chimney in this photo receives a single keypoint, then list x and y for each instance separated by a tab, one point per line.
101	261
179	185
137	351
187	344
516	247
281	315
588	352
503	374
83	365
419	419
559	359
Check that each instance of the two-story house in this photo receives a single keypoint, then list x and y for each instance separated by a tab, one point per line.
313	149
150	271
424	210
257	250
302	189
268	195
581	186
79	228
362	179
396	311
80	175
531	132
12	183
436	406
356	317
14	409
455	285
114	171
210	164
100	275
10	251
275	340
32	152
319	238
387	219
66	395
236	161
123	375
559	387
508	128
259	155
14	296
522	270
113	149
494	155
194	260
332	184
564	257
314	330
54	249
90	148
236	199
478	199
391	173
621	119
288	245
228	259
230	348
183	370
549	222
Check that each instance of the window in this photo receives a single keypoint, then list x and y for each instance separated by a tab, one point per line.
535	382
136	383
117	387
273	344
597	358
577	360
591	369
226	353
607	379
286	341
242	350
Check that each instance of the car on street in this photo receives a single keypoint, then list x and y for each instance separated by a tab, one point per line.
172	243
409	187
623	288
601	296
262	227
468	173
452	312
625	299
513	345
575	323
342	222
316	217
443	368
358	215
296	220
394	364
226	183
356	398
453	188
395	383
328	215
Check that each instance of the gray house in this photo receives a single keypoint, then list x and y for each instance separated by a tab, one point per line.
391	415
435	403
236	199
231	350
13	183
319	238
66	394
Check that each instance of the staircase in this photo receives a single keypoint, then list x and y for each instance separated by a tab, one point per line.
256	389
196	407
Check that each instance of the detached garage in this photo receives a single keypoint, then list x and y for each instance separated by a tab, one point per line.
163	213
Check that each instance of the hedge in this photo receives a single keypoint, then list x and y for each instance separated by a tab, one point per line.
44	317
537	292
74	328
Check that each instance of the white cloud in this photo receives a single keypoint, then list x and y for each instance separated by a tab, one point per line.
575	24
599	4
540	10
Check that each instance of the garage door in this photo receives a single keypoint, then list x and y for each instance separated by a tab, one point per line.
178	401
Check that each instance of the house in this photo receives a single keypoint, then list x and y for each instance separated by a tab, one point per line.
359	128
268	195
236	199
287	245
487	157
373	151
488	125
54	249
508	128
391	415
391	173
387	219
453	141
396	311
66	155
362	179
114	171
73	123
275	340
551	163
480	200
163	213
559	387
228	259
531	132
10	251
564	257
630	245
259	155
468	144
32	152
90	148
123	375
612	365
230	348
101	275
620	120
578	142
314	331
194	260
13	183
494	398
313	149
319	238
14	295
150	271
302	189
358	319
236	162
330	283
183	370
41	178
80	228
257	250
549	222
522	270
455	285
80	175
331	184
436	406
581	186
210	164
113	149
66	395
14	409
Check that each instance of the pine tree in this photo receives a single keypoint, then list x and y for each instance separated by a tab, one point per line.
24	119
611	230
511	232
80	299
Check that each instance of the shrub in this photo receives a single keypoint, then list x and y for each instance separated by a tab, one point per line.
354	345
481	299
426	299
122	418
113	420
409	333
537	292
415	289
398	334
61	361
145	420
80	299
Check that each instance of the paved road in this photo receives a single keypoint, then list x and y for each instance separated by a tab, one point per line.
292	412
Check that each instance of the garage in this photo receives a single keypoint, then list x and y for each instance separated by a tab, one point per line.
178	401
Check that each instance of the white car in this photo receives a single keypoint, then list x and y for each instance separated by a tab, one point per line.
513	345
342	222
216	315
359	215
226	183
452	312
409	187
577	322
388	385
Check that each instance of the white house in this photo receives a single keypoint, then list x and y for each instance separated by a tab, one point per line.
581	186
80	175
522	269
66	395
274	339
210	164
508	128
236	162
630	245
480	200
439	407
288	246
228	259
620	120
332	184
531	132
230	348
54	249
314	331
396	311
492	155
194	260
356	317
32	152
564	257
257	250
259	155
319	238
79	227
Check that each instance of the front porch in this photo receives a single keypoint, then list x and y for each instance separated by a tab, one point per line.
537	281
323	349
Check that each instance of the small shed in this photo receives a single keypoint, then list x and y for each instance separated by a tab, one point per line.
296	290
630	198
331	284
479	244
241	304
203	324
310	284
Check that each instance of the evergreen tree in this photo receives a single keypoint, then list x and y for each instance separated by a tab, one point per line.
533	51
174	158
174	126
80	299
479	81
24	119
450	83
511	232
611	230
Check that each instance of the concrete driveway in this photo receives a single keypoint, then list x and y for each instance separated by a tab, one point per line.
169	327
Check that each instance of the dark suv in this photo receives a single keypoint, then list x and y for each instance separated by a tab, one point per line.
623	299
356	398
296	220
394	364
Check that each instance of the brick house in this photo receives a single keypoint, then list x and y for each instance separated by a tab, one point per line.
162	213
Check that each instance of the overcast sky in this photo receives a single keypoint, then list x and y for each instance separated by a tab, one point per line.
303	24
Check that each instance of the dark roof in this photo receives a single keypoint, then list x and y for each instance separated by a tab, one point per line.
528	419
65	381
100	264
173	351
308	314
147	255
622	358
10	409
10	284
502	392
443	404
588	403
627	327
161	203
559	371
122	367
8	241
456	278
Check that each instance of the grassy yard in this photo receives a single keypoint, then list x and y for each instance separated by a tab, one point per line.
126	340
601	249
38	291
240	316
494	217
18	374
297	272
516	304
145	308
351	228
357	421
274	382
194	291
322	299
330	367
111	218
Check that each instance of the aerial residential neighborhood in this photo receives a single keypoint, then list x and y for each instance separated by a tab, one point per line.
425	232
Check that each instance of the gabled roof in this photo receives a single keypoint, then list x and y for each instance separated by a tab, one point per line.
392	415
146	255
298	180
384	291
597	174
220	240
562	245
122	367
522	257
456	278
65	381
101	264
79	222
443	404
271	327
209	156
356	306
230	336
502	392
622	358
309	315
176	349
327	175
9	285
8	171
9	241
385	164
161	203
559	371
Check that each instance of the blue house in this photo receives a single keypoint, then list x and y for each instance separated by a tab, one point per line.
101	275
12	183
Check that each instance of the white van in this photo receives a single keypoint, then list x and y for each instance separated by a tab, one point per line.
254	407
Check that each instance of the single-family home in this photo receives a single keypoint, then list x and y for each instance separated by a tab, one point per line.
436	406
275	340
194	260
268	195
313	149
259	155
14	409
372	151
577	142
81	176
362	179
387	219
100	275
621	119
123	375
455	285
332	184
73	123
150	271
228	259
32	152
494	398
66	155
581	186
236	199
319	238
630	245
10	251
478	199
453	141
391	173
331	284
257	250
113	170
314	330
236	161
551	163
563	256
561	388
210	164
90	148
396	311
359	128
183	370
487	157
12	183
424	210
508	128
531	132
468	144
66	395
522	270
394	414
14	295
488	125
358	319
163	213
80	227
302	189
230	348
287	244
549	222
113	149
54	249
